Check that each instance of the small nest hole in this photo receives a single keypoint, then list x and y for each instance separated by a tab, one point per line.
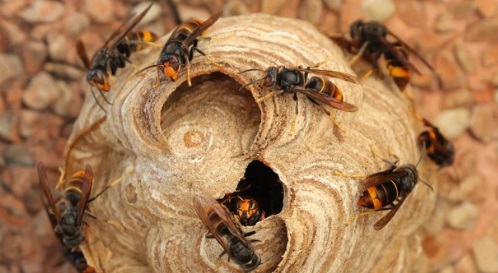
258	195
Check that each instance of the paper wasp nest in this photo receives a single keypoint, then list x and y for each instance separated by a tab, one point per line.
183	141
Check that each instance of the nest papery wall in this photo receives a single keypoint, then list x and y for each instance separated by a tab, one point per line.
201	141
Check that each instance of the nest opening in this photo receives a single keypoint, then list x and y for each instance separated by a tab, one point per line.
261	184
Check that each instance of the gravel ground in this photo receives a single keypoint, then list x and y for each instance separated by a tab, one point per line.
42	89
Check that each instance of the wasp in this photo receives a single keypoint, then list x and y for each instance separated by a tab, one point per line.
247	209
220	224
134	41
67	214
74	255
317	89
387	190
78	260
387	187
369	40
439	149
113	54
179	49
399	72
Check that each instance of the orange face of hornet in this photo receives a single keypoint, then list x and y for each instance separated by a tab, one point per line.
96	78
249	212
171	67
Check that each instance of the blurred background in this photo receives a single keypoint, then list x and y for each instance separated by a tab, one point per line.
42	88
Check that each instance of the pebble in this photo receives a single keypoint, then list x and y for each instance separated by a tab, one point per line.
10	247
425	81
41	225
436	224
492	228
235	7
41	92
463	10
159	28
77	99
458	98
447	70
465	265
34	55
151	15
13	206
482	118
92	41
472	188
478	83
444	22
33	257
464	58
29	119
32	199
49	151
329	23
57	46
63	105
32	267
334	5
494	80
67	130
15	36
99	10
8	126
9	9
76	23
291	8
18	154
411	12
187	12
311	11
487	8
40	32
54	124
28	175
453	122
4	40
442	249
43	12
483	30
3	107
462	216
486	255
272	6
447	269
10	67
3	146
431	42
467	163
13	97
379	10
489	57
12	268
64	71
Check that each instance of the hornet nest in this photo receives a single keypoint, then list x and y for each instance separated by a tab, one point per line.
182	141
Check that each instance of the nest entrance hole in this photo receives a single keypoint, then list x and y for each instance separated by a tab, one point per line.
260	183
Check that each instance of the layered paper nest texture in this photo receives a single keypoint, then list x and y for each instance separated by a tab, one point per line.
183	141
